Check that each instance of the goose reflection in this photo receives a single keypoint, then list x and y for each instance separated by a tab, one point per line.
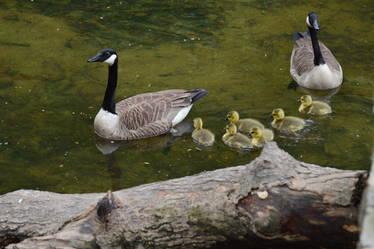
165	142
319	94
316	94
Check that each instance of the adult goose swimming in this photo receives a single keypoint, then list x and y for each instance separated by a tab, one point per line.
140	116
312	63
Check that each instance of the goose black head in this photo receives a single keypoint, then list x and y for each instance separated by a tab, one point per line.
106	55
312	20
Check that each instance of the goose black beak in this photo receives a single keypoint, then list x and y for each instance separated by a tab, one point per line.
315	25
95	59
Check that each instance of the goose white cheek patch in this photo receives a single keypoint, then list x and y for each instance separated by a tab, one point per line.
111	59
307	22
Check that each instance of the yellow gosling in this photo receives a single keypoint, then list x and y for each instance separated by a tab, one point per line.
202	136
288	124
309	106
234	139
260	137
243	125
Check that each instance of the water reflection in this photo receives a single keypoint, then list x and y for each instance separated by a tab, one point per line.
239	51
114	171
316	94
325	95
163	143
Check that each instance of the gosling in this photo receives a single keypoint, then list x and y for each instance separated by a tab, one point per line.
202	136
234	139
260	137
243	125
309	106
287	124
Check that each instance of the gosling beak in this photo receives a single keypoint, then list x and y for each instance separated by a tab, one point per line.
95	59
226	118
299	100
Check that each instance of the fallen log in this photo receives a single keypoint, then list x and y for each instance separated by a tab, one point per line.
272	202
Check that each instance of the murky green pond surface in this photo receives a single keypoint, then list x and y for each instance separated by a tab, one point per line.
238	50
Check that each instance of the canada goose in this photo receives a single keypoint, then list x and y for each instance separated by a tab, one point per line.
260	137
309	106
234	139
288	123
202	136
312	63
140	116
243	125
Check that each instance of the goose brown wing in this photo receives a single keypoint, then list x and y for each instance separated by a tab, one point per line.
302	56
144	109
329	57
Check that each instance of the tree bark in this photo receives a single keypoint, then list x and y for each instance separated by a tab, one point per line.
367	214
273	201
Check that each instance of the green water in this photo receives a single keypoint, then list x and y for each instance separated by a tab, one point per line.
238	50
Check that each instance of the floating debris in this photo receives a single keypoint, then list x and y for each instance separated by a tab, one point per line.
262	194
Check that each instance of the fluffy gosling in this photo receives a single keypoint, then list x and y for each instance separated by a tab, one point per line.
200	135
234	139
288	124
260	137
243	125
309	106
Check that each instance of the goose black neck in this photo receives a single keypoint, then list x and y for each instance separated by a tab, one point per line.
108	103
318	59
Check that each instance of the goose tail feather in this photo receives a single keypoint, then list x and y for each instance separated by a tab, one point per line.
296	36
197	94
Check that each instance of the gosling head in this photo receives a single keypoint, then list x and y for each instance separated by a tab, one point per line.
278	114
231	129
306	100
256	132
198	123
233	117
107	55
312	21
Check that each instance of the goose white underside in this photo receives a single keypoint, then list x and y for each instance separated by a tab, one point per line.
321	77
181	115
106	123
